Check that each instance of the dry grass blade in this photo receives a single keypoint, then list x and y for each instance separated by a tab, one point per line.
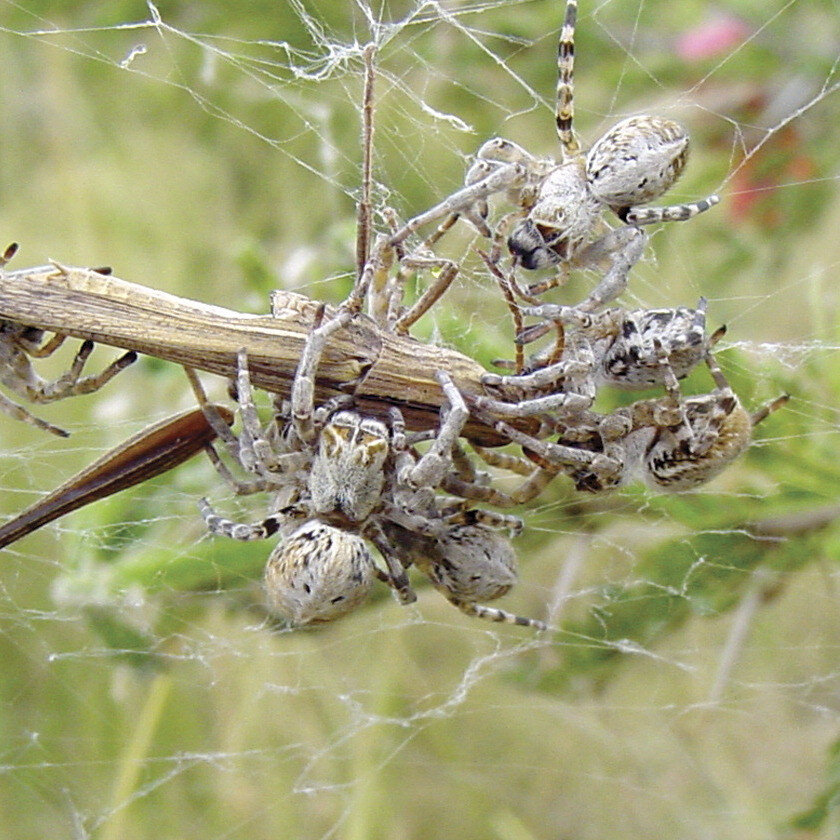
381	369
149	453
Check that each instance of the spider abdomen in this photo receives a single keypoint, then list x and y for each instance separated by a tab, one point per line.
676	462
637	161
318	574
475	564
650	341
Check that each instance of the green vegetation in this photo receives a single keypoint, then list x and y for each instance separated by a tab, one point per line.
145	694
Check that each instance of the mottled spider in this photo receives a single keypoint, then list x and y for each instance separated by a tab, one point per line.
637	161
624	349
340	478
469	563
629	347
19	344
671	443
562	202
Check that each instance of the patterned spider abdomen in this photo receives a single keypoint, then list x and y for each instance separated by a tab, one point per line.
636	161
348	473
718	430
471	563
563	216
647	341
318	574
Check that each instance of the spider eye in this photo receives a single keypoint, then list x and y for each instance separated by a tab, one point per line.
528	242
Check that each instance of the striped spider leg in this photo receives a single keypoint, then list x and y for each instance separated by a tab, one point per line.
19	344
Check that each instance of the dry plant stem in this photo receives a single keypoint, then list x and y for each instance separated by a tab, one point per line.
363	212
381	369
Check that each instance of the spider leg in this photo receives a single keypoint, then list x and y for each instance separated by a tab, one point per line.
241	488
542	377
494	613
245	532
19	344
538	479
476	213
504	461
559	279
430	469
506	287
396	576
47	348
216	421
303	386
502	178
239	449
670	213
448	272
396	318
493	155
765	411
564	457
18	412
465	468
561	401
464	515
256	453
71	385
623	247
564	108
332	406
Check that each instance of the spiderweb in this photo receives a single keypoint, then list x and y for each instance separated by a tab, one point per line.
212	150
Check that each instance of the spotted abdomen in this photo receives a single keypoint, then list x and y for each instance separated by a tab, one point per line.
636	161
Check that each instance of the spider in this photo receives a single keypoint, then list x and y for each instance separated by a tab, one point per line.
560	204
635	162
671	443
20	343
624	349
341	479
470	562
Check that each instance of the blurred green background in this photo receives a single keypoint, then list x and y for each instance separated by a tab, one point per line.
693	689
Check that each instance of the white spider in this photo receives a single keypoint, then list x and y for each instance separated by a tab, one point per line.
469	563
631	348
340	480
624	349
560	204
671	443
19	344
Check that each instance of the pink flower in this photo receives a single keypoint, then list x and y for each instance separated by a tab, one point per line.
717	35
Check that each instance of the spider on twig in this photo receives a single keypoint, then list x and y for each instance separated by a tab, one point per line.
19	344
339	478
